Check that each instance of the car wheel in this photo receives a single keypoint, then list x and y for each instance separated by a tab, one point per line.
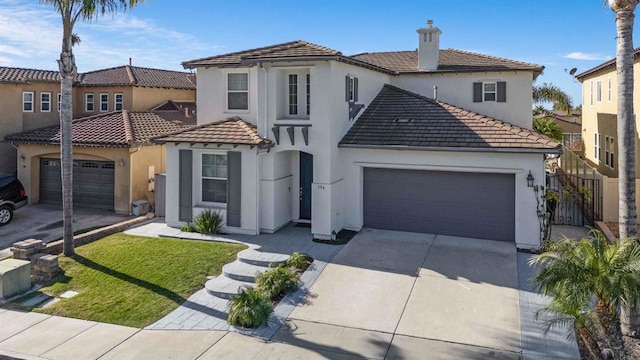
6	215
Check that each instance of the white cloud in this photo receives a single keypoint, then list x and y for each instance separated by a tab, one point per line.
577	55
31	37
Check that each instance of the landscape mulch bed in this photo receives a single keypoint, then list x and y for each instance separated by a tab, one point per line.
342	237
613	226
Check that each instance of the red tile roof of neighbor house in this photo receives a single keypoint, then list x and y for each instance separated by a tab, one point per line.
233	131
115	129
20	75
394	62
399	119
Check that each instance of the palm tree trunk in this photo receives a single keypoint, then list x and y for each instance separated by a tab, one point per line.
588	342
610	323
624	9
68	71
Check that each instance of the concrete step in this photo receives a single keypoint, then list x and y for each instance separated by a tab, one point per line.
241	271
224	287
259	258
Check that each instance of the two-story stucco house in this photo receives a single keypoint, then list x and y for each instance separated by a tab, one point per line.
434	141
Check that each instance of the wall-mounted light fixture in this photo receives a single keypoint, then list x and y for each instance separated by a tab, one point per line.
121	163
22	157
530	179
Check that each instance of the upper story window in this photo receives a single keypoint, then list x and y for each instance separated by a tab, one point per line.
608	151
88	102
214	178
104	102
596	146
308	94
293	94
609	90
351	88
118	101
490	91
598	91
59	101
591	92
45	101
238	91
27	101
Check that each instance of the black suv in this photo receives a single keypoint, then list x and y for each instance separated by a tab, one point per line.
12	197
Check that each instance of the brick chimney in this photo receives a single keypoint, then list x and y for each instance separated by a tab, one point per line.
428	47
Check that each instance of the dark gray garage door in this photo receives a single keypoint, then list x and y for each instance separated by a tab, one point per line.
93	183
438	202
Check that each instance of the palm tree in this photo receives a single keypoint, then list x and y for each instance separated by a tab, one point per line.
628	215
539	110
577	272
549	128
551	93
71	11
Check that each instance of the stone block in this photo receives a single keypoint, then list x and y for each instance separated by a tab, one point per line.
23	250
15	277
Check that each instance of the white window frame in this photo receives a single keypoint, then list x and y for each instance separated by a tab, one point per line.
201	178
485	92
30	102
598	91
59	102
293	93
116	102
87	102
591	92
227	91
609	154
302	95
42	101
609	89
307	85
352	88
596	146
105	102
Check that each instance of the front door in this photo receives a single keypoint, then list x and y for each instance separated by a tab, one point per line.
306	178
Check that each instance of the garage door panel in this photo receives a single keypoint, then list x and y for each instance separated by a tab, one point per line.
93	183
460	204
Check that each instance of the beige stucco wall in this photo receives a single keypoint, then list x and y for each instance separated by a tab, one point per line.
79	98
141	160
145	98
29	169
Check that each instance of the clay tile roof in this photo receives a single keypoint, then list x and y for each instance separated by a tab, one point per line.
139	76
451	60
230	131
296	48
115	129
400	119
19	75
176	105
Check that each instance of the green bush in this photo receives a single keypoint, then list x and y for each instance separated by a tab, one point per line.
280	280
250	308
208	222
189	228
299	261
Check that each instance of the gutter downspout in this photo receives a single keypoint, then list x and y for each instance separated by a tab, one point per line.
131	177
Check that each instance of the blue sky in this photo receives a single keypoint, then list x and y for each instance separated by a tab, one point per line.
559	34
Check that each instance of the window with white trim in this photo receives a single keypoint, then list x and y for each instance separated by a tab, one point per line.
59	102
352	89
27	101
591	92
489	91
308	94
45	102
88	102
118	101
293	94
609	89
598	91
104	102
214	178
596	146
609	151
237	91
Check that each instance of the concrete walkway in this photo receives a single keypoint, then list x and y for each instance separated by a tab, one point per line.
386	295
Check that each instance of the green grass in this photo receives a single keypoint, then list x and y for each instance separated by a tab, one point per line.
133	280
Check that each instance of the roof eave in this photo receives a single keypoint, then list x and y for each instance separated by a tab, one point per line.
556	150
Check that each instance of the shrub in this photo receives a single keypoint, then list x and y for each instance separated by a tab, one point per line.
208	222
189	228
299	261
250	308
274	282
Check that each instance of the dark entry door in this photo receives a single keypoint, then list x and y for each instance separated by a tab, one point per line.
306	178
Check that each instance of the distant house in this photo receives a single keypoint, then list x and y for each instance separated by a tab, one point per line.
30	98
571	125
114	162
435	141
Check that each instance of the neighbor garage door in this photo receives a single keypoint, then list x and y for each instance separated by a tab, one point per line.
93	183
472	205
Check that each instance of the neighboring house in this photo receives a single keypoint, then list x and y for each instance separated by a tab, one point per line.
114	161
571	125
30	98
343	142
599	128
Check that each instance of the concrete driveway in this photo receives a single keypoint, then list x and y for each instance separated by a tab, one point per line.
403	295
44	222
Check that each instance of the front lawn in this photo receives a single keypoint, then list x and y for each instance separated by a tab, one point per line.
133	280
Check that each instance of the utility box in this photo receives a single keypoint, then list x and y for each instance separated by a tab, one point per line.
140	207
15	277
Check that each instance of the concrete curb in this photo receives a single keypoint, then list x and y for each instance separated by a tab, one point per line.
55	247
602	226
